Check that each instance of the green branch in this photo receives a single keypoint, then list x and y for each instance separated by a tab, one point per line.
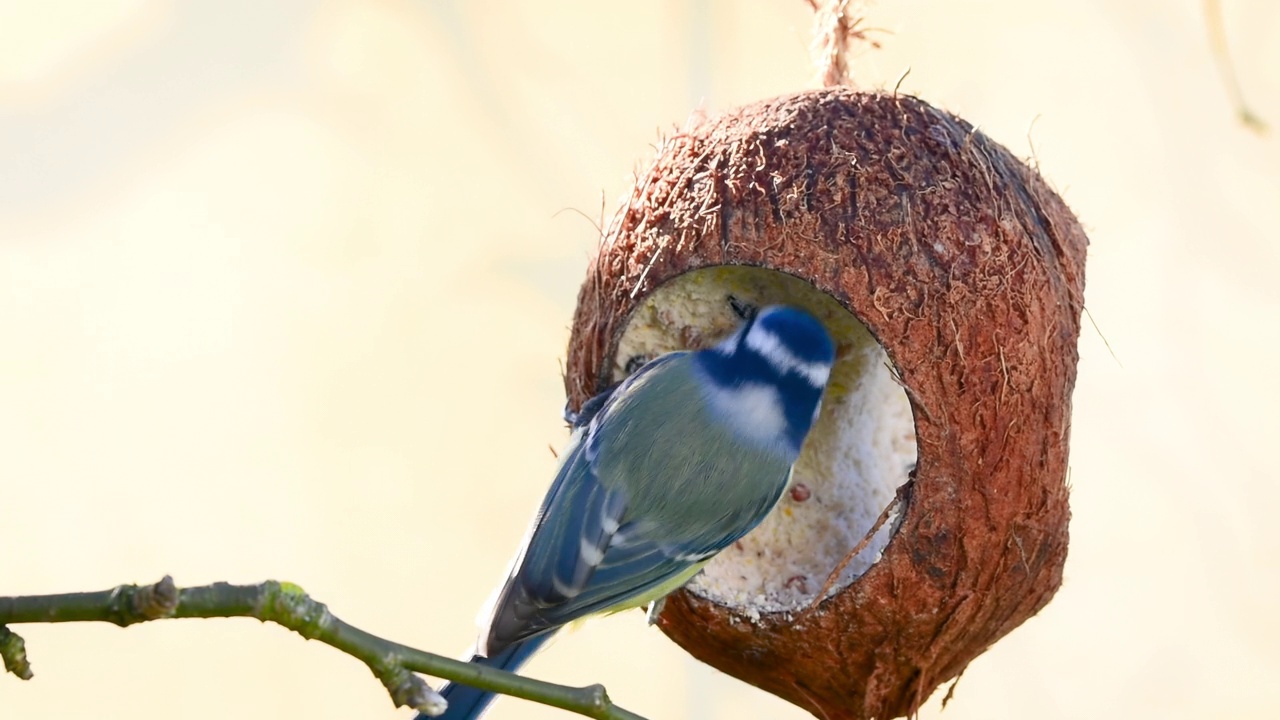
286	604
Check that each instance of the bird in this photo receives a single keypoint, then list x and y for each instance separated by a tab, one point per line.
662	471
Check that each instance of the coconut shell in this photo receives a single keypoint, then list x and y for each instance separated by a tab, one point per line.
969	270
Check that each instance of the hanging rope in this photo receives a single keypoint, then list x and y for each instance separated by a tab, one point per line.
835	27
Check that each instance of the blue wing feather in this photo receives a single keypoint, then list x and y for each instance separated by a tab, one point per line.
664	470
605	545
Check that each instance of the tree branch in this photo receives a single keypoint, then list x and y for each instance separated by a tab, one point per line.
288	605
1220	47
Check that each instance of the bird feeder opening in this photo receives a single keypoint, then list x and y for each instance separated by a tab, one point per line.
860	451
969	269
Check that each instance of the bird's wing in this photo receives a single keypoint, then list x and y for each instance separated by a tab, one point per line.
597	555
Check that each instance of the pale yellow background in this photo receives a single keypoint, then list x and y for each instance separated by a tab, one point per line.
285	286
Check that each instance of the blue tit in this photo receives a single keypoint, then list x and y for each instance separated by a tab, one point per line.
662	472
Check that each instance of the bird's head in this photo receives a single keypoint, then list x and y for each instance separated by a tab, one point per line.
767	378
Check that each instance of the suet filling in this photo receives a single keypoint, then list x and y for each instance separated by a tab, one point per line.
854	459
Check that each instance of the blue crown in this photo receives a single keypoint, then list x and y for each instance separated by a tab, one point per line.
781	348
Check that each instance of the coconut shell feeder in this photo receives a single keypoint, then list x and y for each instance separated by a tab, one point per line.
952	278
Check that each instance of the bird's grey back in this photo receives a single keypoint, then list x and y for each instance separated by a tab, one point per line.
663	437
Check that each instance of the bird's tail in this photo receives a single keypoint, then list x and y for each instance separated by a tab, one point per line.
468	703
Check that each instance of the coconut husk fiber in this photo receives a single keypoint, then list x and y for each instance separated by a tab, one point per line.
968	270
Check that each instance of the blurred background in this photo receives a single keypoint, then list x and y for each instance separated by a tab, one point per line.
285	288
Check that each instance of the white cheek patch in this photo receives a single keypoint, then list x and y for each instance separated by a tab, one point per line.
755	410
777	354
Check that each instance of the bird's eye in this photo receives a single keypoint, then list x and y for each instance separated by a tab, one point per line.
744	310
